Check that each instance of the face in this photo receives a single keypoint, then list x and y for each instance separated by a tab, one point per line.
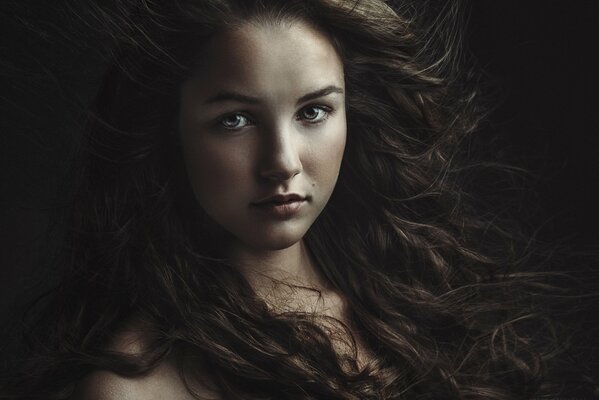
264	115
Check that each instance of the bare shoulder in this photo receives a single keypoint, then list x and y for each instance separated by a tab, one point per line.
163	382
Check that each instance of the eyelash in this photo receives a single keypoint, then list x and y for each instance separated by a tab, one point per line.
328	111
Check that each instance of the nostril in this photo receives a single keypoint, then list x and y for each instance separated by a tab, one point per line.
281	174
281	159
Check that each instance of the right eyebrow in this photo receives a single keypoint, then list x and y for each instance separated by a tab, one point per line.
232	96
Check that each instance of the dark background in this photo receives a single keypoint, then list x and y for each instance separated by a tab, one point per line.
539	56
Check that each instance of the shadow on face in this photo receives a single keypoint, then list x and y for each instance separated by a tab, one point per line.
264	114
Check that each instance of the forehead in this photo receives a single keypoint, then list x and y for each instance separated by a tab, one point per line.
268	60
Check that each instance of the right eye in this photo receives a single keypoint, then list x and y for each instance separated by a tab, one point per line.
234	121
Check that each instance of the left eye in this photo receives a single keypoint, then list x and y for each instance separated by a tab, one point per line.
314	114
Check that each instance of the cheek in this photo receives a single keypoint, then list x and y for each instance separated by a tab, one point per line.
329	153
214	171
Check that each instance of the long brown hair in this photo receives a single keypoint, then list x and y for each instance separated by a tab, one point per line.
434	283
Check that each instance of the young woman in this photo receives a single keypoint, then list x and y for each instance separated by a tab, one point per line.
271	205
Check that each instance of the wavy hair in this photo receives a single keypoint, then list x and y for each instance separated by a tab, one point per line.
433	282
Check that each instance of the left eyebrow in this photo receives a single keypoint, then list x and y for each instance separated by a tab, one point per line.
319	93
242	98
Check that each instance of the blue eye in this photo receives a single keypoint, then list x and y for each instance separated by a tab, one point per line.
315	114
234	121
310	114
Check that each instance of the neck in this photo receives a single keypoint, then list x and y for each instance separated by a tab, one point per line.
270	272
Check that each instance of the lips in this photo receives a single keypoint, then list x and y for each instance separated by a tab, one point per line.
282	207
281	199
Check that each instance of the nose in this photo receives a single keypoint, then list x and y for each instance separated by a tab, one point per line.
281	160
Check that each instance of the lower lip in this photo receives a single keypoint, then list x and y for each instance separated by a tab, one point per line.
283	210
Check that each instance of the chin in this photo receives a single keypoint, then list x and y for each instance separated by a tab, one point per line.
274	241
276	244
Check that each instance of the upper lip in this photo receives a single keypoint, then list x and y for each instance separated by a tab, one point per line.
279	198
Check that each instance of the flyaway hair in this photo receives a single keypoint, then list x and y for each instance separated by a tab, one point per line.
443	293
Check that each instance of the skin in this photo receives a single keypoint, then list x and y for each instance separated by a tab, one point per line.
238	152
276	150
